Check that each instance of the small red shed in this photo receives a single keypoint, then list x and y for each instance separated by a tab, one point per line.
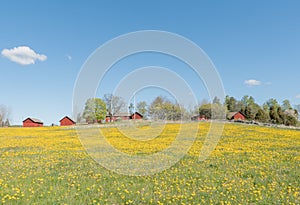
236	116
136	116
32	122
66	121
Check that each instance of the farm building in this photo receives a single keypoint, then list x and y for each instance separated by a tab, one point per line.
124	116
235	116
66	121
117	117
136	116
198	118
32	122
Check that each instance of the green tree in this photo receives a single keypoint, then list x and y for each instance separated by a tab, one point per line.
291	121
205	111
232	104
163	109
213	111
95	110
272	103
281	115
274	117
261	116
142	108
156	110
286	105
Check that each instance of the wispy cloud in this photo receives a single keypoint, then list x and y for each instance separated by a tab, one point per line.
252	82
23	55
268	83
69	57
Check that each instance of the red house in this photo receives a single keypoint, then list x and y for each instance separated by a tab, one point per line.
66	121
32	122
236	116
136	116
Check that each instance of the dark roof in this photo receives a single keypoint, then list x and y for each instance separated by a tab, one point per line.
67	118
33	120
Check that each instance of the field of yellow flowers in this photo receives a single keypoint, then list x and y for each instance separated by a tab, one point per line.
250	165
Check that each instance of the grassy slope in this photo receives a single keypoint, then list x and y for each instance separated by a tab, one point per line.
250	165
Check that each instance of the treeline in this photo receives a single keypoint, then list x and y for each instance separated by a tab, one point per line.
161	108
96	109
270	112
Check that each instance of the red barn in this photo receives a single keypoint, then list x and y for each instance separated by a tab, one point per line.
136	116
66	121
32	122
236	116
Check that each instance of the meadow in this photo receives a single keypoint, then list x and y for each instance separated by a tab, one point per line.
250	165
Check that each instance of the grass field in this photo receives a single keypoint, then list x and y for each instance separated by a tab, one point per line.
250	165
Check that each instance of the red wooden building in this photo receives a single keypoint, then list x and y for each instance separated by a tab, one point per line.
136	116
124	116
32	122
236	116
66	121
198	118
117	117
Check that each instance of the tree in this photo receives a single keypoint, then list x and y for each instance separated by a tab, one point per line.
156	108
297	108
95	110
4	114
286	105
233	105
272	103
205	111
281	115
142	108
212	111
163	109
216	100
261	116
131	108
114	104
230	103
274	117
78	117
6	123
291	121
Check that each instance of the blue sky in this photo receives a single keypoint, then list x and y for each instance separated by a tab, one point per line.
246	40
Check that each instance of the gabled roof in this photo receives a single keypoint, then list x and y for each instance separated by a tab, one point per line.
232	114
137	113
33	120
67	118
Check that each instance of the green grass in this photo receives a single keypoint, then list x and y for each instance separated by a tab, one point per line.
250	165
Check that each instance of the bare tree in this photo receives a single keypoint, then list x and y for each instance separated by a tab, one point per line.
4	115
114	104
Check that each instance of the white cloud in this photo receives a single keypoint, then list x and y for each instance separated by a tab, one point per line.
298	96
23	55
252	82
